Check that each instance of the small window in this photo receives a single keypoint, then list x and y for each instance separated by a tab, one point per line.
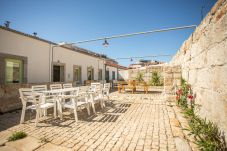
113	75
100	74
77	74
13	71
90	73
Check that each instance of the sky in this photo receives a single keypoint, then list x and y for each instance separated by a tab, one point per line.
76	20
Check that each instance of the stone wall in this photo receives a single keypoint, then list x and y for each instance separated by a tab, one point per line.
9	96
170	75
203	59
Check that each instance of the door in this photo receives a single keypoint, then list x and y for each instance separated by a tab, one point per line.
107	76
58	73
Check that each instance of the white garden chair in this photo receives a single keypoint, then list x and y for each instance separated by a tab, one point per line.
77	100
55	86
96	96
39	89
67	85
31	100
106	91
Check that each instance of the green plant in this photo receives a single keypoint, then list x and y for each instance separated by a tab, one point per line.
139	77
17	135
207	135
156	79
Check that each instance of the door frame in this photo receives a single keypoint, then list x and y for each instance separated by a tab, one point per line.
52	72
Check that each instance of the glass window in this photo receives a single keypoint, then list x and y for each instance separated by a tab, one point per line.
14	71
90	73
100	74
113	75
77	74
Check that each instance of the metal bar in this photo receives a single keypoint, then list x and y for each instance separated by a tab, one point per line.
137	33
152	56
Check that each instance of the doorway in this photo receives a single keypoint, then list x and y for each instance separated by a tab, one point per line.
58	73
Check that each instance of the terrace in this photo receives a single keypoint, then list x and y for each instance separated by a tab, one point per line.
179	105
129	122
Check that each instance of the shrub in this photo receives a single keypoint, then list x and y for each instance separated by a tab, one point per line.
17	135
156	79
139	77
207	135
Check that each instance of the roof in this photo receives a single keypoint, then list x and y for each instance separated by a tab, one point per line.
115	65
73	48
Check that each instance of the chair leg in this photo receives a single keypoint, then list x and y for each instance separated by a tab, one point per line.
37	117
88	109
45	112
93	107
55	105
75	114
22	114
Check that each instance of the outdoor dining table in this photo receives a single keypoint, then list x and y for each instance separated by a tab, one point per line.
57	95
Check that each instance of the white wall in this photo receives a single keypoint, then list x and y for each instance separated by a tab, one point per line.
36	51
110	68
39	55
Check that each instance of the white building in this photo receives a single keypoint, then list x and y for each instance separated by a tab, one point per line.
27	58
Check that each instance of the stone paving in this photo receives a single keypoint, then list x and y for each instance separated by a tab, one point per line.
129	122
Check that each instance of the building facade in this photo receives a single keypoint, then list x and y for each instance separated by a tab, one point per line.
26	58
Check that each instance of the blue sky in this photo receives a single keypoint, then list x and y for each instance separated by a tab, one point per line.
75	20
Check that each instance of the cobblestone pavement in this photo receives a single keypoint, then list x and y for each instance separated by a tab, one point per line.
129	122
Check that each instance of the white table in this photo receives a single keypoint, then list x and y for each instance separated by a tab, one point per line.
58	95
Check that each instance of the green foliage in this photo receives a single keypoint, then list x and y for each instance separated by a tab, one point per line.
139	77
156	79
207	135
17	135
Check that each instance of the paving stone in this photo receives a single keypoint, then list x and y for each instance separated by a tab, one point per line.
181	144
7	148
26	144
130	123
52	147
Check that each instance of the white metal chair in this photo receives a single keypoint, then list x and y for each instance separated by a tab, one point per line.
106	91
55	86
96	96
77	100
67	85
33	101
39	89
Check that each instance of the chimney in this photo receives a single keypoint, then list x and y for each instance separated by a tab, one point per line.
35	34
7	24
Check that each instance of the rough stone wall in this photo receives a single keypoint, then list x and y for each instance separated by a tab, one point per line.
171	75
9	96
203	59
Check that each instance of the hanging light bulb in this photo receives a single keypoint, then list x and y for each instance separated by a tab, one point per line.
131	59
105	44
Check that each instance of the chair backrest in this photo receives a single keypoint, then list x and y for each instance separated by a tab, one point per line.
55	86
39	88
107	86
26	94
67	85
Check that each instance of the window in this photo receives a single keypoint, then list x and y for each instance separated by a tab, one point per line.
13	71
77	74
107	75
90	73
113	75
58	73
100	74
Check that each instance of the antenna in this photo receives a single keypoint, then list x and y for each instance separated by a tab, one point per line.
7	23
35	34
